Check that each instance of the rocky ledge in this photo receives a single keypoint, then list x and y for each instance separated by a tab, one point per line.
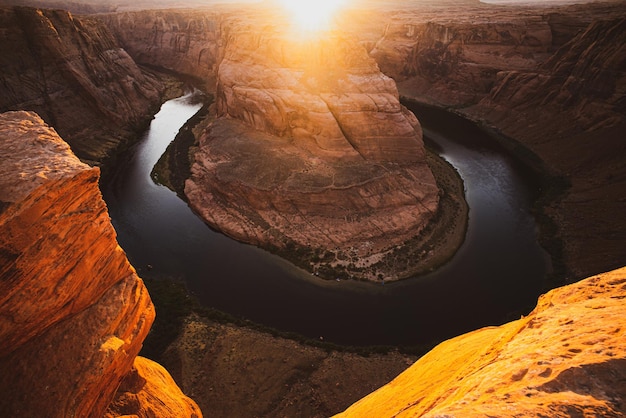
566	358
73	312
312	155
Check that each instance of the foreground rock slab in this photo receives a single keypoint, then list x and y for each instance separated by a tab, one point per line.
566	358
73	312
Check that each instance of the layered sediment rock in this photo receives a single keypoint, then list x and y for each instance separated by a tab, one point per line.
312	149
74	74
73	312
566	358
571	111
550	78
185	41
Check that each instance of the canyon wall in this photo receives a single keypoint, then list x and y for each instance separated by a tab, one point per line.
184	41
566	358
73	312
510	68
550	79
75	75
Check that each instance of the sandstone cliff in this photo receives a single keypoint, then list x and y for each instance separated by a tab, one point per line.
73	312
73	73
184	41
312	151
567	358
548	78
571	111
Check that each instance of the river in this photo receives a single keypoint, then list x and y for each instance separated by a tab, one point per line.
498	270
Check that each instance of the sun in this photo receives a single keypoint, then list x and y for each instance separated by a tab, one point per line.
312	15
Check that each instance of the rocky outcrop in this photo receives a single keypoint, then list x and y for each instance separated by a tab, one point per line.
76	76
73	312
311	150
185	41
566	358
148	390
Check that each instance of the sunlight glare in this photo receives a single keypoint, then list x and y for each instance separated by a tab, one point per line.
312	15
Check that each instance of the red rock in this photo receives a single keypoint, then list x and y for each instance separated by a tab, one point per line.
73	312
312	148
149	391
74	74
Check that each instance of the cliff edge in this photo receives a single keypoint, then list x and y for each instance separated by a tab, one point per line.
566	358
73	312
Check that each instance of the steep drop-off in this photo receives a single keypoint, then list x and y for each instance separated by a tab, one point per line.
566	358
312	151
184	41
73	312
73	73
550	81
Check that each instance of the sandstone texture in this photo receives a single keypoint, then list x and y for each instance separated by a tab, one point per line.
549	80
148	390
567	358
73	312
311	150
74	74
184	41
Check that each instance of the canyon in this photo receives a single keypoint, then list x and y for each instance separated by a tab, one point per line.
74	74
548	81
311	150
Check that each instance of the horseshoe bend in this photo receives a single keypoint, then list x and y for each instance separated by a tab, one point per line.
313	156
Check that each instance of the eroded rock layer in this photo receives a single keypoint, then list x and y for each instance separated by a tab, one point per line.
311	149
567	358
73	73
549	78
73	312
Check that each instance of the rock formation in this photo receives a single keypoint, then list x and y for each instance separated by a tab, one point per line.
184	41
74	74
550	79
580	136
567	358
312	150
73	312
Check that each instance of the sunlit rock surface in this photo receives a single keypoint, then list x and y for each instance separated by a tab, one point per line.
74	74
149	391
73	312
567	358
311	149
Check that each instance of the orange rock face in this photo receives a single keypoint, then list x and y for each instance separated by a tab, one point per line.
73	312
149	391
567	358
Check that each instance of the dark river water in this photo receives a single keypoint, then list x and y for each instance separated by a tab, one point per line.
498	271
